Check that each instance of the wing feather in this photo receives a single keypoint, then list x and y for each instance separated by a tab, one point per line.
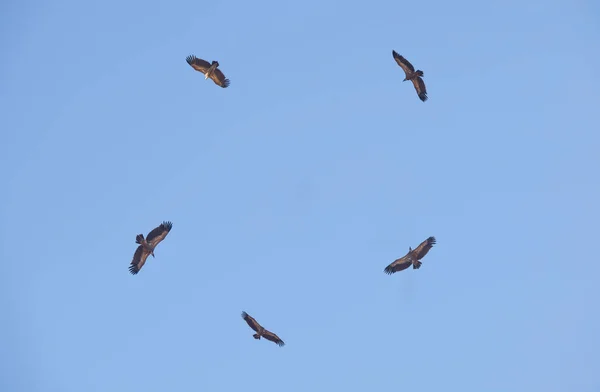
420	87
251	321
198	64
159	233
272	337
139	258
423	248
219	78
403	63
399	265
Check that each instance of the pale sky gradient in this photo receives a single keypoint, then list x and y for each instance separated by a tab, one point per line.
291	190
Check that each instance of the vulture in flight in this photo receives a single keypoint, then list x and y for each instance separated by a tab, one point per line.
413	257
209	70
412	75
148	245
260	331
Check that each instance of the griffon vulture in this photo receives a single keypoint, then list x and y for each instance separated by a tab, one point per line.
209	70
148	245
260	331
412	75
413	257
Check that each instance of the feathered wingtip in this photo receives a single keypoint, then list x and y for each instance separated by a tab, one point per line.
244	315
190	59
417	264
431	240
139	238
388	270
133	269
167	225
225	83
256	336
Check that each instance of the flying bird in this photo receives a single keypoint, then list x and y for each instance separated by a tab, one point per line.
260	331
413	257
209	70
412	75
148	245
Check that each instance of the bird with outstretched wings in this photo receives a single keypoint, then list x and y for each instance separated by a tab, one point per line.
147	246
260	331
413	257
210	70
412	75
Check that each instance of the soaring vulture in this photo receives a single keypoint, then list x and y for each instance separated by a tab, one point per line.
260	331
148	245
413	257
209	70
411	75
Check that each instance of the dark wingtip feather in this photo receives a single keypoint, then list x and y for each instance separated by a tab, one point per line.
190	59
139	238
394	53
280	343
388	270
226	83
167	225
431	240
133	269
244	315
423	97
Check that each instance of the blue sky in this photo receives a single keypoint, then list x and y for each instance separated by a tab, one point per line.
292	189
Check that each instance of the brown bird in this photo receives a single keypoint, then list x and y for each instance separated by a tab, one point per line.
148	245
209	70
412	75
413	257
260	331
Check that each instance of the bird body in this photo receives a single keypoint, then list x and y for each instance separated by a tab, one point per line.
210	70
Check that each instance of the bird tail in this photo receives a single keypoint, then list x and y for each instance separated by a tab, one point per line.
256	336
139	238
419	72
417	264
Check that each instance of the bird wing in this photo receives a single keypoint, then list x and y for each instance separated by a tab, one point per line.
251	321
403	63
139	258
272	337
423	248
399	265
158	234
198	64
219	78
420	87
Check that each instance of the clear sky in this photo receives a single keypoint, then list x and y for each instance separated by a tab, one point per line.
291	190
